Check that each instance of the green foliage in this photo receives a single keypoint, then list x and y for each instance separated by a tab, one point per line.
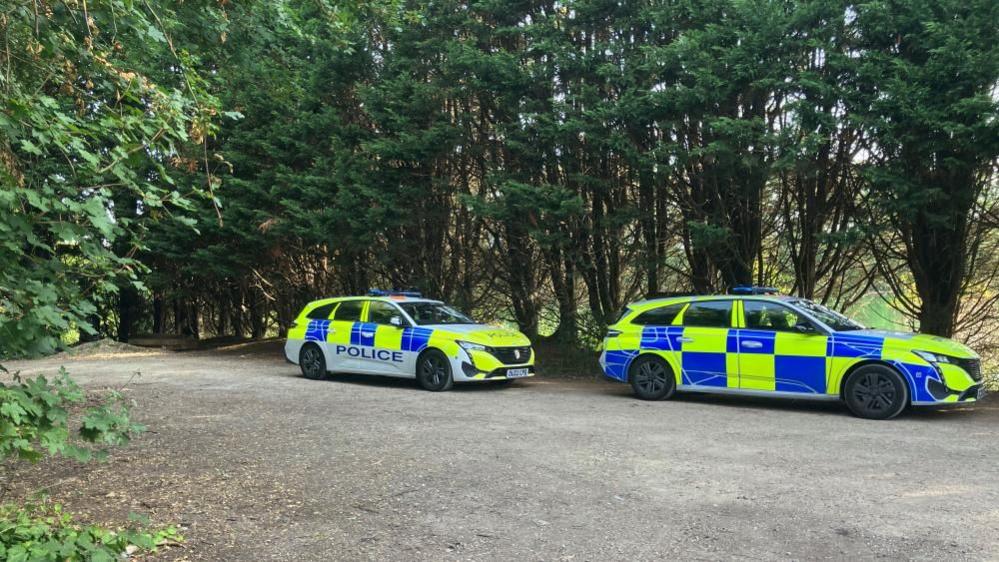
94	141
41	531
500	155
35	420
504	155
928	102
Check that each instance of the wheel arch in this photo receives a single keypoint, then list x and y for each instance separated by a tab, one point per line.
310	343
852	369
426	350
665	356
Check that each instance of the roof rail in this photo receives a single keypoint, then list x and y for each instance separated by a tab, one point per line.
395	293
752	290
669	294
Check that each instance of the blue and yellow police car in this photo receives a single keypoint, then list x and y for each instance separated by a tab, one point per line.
758	343
402	334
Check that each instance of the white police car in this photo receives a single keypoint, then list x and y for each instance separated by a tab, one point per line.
402	334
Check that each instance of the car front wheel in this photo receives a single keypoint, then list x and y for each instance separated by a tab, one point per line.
876	392
433	371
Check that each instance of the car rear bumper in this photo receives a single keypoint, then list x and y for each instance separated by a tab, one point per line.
291	350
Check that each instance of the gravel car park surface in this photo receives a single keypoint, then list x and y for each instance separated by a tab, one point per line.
257	463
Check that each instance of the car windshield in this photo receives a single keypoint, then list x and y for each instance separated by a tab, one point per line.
434	313
827	316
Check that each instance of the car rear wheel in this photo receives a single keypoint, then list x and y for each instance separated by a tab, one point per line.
433	371
876	392
312	362
651	378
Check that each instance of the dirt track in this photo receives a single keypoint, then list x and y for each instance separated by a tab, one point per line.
258	463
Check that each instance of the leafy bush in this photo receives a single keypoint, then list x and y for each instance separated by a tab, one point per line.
34	420
42	531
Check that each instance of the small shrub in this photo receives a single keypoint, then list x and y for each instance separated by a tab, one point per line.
42	531
34	420
34	423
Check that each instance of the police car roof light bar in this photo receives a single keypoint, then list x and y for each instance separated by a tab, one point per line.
394	293
752	290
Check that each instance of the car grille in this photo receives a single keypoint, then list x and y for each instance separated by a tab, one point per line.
972	366
512	355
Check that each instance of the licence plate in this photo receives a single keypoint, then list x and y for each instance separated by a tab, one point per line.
516	373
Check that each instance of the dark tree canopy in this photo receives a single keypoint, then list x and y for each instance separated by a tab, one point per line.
541	163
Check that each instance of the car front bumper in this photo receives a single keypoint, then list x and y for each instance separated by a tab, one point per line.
470	373
483	366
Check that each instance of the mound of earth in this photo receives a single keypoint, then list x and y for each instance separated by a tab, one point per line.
105	346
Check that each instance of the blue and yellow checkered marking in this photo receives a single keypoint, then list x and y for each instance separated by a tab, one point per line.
703	368
415	339
616	363
737	338
846	345
317	330
779	361
363	333
794	373
665	338
782	361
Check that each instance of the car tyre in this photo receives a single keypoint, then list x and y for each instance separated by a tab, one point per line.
876	392
652	378
433	371
312	362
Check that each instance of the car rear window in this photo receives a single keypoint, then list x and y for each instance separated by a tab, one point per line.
661	316
321	312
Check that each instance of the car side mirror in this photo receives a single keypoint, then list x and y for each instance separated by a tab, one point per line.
396	321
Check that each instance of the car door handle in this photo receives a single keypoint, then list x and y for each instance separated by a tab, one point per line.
752	344
684	339
367	334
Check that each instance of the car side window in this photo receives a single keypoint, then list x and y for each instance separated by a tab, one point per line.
321	312
708	314
381	312
349	311
763	315
662	316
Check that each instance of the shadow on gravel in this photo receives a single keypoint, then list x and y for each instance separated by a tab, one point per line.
761	403
988	409
396	382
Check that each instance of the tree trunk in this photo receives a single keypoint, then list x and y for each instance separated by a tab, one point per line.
128	299
158	314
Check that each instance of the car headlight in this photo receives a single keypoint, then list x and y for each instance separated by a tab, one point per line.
469	346
932	358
